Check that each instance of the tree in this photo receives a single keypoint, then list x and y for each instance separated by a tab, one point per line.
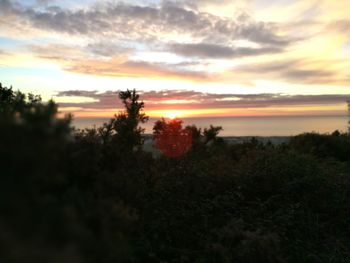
33	143
211	133
28	111
127	122
123	130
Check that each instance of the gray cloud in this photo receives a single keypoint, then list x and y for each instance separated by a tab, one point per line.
145	23
107	49
44	2
6	7
153	99
204	50
294	71
115	31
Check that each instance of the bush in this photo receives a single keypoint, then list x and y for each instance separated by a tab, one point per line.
95	195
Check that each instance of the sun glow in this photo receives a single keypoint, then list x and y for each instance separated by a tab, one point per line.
173	114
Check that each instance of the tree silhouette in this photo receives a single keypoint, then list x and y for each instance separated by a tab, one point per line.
197	137
20	109
123	131
211	133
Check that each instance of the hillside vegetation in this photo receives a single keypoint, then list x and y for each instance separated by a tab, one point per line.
96	196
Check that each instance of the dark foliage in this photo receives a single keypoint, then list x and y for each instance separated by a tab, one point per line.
349	115
96	196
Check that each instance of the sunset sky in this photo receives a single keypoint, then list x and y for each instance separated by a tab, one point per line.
186	58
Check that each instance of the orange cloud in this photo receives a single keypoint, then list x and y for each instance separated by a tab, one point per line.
119	67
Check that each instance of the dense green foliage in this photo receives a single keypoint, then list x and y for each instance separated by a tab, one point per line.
96	196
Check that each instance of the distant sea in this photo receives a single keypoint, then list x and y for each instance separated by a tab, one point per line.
249	126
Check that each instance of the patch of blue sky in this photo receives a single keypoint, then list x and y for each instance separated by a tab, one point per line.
6	42
11	42
139	46
24	71
28	3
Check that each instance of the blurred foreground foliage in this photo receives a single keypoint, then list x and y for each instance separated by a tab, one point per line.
96	196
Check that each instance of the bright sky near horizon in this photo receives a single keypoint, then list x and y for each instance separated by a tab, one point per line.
186	57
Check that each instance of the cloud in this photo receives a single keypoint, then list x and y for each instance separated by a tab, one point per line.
199	2
130	68
58	52
306	71
4	53
107	49
342	25
147	23
44	2
79	60
6	7
113	36
203	50
181	99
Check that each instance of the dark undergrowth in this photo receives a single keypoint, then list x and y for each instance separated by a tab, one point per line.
96	196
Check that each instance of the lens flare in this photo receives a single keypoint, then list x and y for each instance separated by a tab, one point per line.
171	139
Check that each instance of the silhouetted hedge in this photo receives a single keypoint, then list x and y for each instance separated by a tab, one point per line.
95	195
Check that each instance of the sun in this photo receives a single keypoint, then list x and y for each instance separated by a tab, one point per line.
172	114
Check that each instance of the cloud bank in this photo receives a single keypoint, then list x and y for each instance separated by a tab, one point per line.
181	99
108	31
199	45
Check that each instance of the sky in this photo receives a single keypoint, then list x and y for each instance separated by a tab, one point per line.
186	58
